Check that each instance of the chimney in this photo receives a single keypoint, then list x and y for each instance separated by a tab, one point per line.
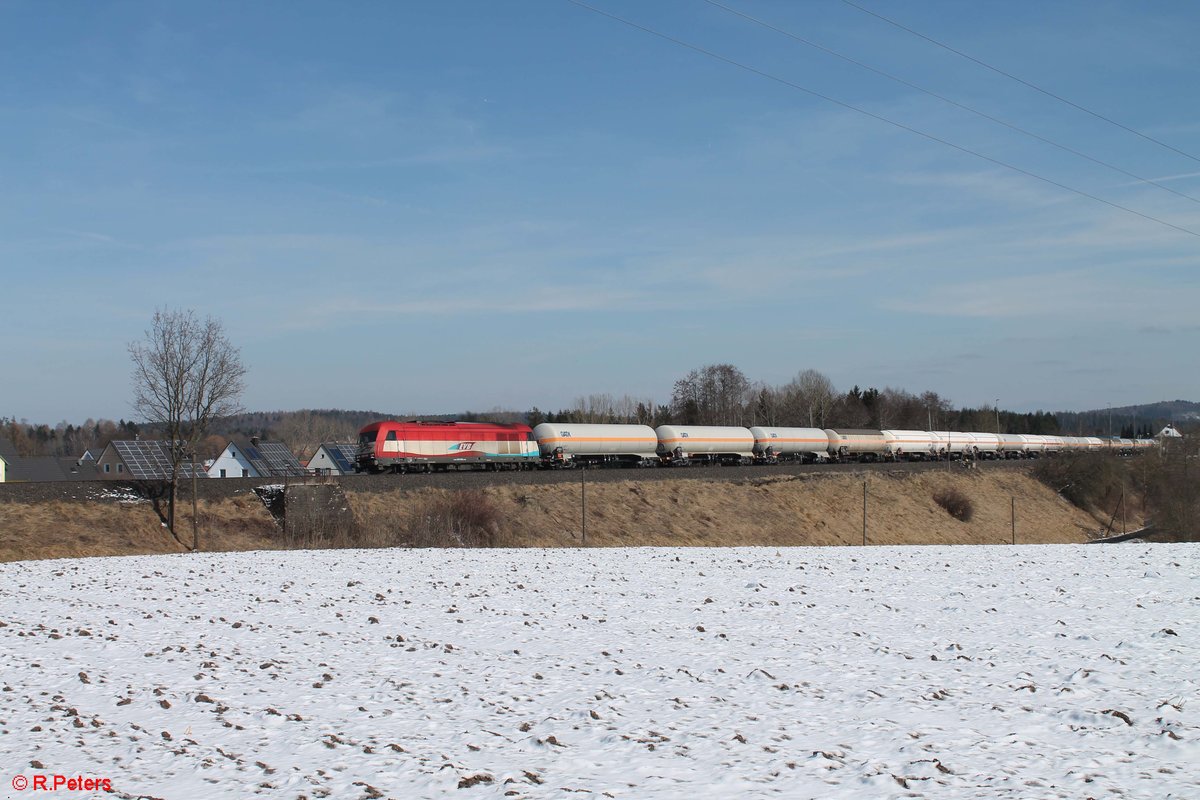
254	441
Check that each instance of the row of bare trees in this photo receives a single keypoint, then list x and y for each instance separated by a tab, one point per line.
721	394
65	438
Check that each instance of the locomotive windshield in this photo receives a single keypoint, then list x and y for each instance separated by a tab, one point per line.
367	438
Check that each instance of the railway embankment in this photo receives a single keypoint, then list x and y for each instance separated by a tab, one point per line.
595	508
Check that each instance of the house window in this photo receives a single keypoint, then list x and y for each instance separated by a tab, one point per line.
245	473
222	473
108	467
120	467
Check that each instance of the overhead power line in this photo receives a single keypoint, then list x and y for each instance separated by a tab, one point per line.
954	103
872	115
1023	82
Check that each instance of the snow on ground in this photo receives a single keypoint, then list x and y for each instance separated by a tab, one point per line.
883	672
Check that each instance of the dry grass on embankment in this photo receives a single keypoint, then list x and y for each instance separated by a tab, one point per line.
768	511
74	529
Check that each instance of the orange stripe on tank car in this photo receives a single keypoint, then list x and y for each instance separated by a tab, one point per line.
698	439
596	439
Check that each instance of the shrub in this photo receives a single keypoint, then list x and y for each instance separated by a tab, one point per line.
1091	481
454	519
1172	494
956	504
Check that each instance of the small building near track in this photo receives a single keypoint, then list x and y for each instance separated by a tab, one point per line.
141	460
253	458
333	458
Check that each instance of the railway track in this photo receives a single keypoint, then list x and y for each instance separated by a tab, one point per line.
479	480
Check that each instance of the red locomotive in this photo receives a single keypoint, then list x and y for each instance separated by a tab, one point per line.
438	446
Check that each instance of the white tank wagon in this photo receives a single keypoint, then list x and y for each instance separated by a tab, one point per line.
1012	445
688	444
856	443
954	444
1094	443
1035	445
1053	445
985	445
803	444
567	444
1074	444
912	445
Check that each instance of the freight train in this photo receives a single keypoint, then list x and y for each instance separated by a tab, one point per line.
418	446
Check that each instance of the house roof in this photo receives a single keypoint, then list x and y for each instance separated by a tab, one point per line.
48	468
42	468
269	459
342	455
150	459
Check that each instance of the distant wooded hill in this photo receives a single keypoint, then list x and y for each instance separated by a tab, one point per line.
1119	420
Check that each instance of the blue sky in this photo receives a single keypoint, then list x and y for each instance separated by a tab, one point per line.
442	206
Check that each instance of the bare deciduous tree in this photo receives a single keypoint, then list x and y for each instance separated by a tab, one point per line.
186	373
303	432
713	395
811	395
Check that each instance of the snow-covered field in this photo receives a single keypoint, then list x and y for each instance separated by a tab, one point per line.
1022	672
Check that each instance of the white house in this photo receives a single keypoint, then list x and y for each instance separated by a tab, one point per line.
255	459
232	463
1169	432
7	451
333	458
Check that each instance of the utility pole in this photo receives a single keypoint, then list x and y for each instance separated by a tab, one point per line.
583	506
997	416
195	518
864	513
1013	500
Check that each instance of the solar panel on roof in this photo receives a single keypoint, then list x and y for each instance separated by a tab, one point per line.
272	459
150	460
343	455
